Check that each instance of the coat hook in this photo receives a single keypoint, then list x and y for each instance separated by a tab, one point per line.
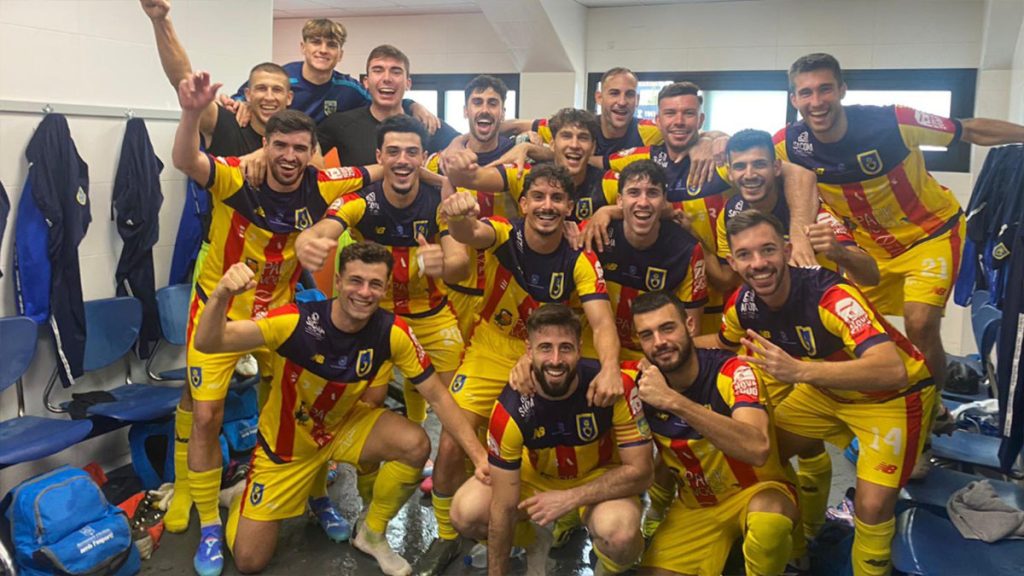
47	109
129	114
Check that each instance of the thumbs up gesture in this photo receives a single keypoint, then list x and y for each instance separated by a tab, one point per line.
313	251
429	258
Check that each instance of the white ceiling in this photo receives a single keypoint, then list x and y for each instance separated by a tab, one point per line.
342	8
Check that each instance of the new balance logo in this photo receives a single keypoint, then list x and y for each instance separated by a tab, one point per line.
886	468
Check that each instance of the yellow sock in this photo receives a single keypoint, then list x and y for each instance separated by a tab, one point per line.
610	565
395	483
415	404
205	488
872	547
814	477
176	518
523	535
365	479
318	489
661	497
443	515
234	513
767	543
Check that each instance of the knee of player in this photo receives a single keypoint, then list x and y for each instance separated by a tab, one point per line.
468	518
617	537
875	506
417	447
207	417
249	561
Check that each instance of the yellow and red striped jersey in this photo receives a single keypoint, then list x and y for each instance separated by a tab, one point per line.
638	133
368	215
258	226
599	188
824	319
875	177
705	475
565	439
674	263
519	280
322	372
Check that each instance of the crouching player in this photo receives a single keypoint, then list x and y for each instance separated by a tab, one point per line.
329	353
711	419
553	453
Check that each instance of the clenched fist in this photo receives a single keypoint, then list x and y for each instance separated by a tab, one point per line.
238	279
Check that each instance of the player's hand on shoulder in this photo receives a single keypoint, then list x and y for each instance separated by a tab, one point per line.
653	387
254	167
702	163
521	379
238	279
156	9
595	234
606	388
573	234
518	156
313	251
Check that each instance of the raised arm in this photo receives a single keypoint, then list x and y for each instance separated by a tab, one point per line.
316	243
801	189
462	169
215	333
505	486
607	386
462	213
989	132
450	415
195	93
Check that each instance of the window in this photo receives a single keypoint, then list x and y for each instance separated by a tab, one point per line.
759	99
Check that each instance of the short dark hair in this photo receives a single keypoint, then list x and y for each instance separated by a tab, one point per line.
746	139
485	81
681	89
812	62
401	123
367	253
324	28
615	72
556	174
642	170
388	51
290	122
271	68
575	117
651	301
554	315
747	219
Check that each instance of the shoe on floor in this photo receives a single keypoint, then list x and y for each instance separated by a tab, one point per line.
440	554
376	545
330	519
209	558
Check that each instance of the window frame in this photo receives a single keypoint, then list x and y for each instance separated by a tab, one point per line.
960	82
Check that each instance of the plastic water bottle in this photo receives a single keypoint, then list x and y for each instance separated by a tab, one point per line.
477	557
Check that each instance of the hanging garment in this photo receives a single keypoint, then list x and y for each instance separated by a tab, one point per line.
5	209
1010	350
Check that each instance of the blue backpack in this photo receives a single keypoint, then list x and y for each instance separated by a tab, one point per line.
62	524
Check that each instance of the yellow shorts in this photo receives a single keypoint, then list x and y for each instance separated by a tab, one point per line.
891	434
466	306
532	482
698	540
480	379
210	374
923	274
778	391
277	491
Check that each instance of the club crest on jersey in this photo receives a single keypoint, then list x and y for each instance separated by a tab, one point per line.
364	362
458	382
195	376
302	219
586	427
81	197
655	279
806	336
870	162
330	107
420	228
584	208
256	493
557	285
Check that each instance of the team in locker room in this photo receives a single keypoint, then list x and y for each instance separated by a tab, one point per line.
564	292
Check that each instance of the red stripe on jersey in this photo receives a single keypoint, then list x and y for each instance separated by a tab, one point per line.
743	472
624	316
955	242
525	309
234	244
599	287
421	356
713	205
913	430
496	429
273	258
779	136
640	150
605	450
193	309
324	403
400	279
911	117
909	201
501	280
287	417
568	467
700	285
694	472
433	293
282	310
849	311
861	209
486	202
228	161
481	269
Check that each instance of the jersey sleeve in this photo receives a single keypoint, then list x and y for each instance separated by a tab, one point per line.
619	160
540	126
731	330
649	133
693	290
610	187
434	163
740	385
502	231
514	183
504	439
335	182
721	238
278	325
628	421
921	128
846	313
226	177
780	145
347	209
589	277
407	354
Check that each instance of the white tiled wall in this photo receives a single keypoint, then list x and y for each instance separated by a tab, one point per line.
1017	81
102	53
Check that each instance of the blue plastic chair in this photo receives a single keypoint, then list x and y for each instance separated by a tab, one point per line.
112	327
985	321
941	483
172	302
27	438
926	542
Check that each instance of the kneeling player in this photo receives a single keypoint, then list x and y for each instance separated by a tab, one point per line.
594	461
710	417
331	351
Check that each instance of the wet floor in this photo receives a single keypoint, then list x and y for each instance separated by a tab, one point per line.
304	549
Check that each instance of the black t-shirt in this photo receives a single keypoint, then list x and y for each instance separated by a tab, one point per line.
230	139
354	134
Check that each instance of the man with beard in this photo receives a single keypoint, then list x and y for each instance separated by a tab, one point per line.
529	263
256	226
585	460
401	213
575	133
856	375
712	422
485	110
353	132
330	353
680	117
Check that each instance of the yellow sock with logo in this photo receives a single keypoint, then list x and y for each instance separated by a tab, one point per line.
176	518
767	543
814	479
205	487
872	547
415	403
443	515
395	483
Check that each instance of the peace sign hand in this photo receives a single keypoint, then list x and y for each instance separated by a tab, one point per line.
773	360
